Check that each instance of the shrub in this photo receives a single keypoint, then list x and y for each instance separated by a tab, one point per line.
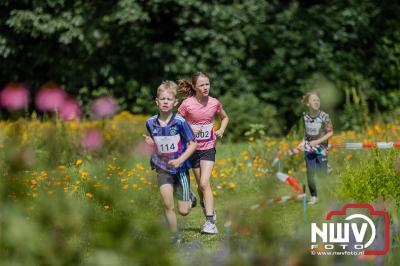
372	178
245	110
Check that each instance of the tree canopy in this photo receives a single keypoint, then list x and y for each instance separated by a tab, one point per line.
273	50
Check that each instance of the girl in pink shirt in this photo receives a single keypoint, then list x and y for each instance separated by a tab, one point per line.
199	110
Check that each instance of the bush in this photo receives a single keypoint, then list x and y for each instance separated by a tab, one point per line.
372	178
245	110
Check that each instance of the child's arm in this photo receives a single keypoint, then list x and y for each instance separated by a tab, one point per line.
329	128
175	163
321	139
224	123
148	140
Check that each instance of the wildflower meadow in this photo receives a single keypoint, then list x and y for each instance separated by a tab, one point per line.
81	192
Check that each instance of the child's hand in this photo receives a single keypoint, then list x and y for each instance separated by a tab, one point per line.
148	140
301	146
219	133
196	130
175	163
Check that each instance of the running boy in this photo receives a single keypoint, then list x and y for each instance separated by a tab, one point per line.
199	109
175	142
318	129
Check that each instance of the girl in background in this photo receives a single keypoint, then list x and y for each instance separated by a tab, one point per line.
318	129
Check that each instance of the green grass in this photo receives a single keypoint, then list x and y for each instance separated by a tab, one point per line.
133	228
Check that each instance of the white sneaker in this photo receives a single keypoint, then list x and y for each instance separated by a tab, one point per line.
313	200
209	228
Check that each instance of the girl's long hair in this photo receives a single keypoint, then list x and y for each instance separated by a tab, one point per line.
186	88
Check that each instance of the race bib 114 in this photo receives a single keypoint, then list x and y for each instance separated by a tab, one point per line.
167	144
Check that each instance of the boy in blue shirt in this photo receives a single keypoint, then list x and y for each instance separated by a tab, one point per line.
174	142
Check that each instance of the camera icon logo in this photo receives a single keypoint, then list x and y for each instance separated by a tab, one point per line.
355	229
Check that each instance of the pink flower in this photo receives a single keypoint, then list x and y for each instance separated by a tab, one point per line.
50	98
105	106
14	96
92	140
70	110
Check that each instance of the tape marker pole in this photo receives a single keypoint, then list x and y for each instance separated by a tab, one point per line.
305	206
279	166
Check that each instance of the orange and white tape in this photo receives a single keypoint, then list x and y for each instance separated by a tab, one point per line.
277	200
290	180
346	146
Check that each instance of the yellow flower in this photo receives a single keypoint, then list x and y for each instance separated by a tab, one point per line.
78	162
73	125
83	175
139	167
111	167
124	187
89	195
251	139
135	186
232	184
106	207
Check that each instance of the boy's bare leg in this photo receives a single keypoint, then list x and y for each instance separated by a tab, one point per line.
184	207
167	193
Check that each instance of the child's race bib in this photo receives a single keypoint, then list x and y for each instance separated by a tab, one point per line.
312	129
167	144
205	132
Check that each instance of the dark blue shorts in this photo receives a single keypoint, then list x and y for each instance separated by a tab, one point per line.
180	181
205	155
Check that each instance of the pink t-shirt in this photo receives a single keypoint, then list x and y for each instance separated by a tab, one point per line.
201	116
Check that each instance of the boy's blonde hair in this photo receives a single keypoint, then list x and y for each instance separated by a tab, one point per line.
169	86
306	97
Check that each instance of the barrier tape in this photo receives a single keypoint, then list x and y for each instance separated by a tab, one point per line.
290	180
276	200
346	146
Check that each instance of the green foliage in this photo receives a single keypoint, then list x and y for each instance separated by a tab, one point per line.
372	178
245	110
356	112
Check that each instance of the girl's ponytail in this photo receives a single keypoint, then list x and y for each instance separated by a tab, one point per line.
186	88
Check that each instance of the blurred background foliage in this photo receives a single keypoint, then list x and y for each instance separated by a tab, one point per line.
271	51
